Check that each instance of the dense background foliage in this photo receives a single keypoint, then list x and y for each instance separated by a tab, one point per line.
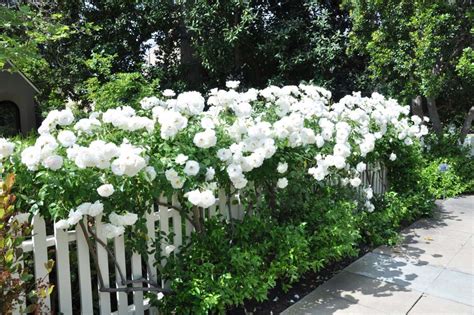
409	50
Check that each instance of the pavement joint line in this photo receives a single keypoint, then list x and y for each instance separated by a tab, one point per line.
419	298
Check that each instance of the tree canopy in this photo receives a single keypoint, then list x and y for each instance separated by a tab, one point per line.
405	49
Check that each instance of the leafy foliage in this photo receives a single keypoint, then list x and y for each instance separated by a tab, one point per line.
15	280
417	48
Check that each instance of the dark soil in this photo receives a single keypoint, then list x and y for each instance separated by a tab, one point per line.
278	300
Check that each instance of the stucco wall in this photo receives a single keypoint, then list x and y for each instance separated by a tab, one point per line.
14	88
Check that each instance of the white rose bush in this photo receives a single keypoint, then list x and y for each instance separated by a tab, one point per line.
292	158
116	162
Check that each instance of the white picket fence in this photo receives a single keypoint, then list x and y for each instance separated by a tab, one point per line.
165	219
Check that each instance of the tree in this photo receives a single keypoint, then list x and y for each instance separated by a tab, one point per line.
260	42
417	49
24	30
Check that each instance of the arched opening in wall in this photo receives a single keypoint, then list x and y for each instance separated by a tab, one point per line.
9	119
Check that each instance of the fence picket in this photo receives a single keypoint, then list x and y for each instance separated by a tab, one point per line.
150	225
40	252
63	270
151	218
103	262
119	252
85	285
177	224
164	224
136	275
223	204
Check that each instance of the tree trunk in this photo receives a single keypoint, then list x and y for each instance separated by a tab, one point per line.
467	124
417	106
434	116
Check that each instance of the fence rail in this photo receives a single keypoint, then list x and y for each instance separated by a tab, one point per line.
160	218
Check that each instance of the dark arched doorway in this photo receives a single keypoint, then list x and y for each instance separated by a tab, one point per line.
9	119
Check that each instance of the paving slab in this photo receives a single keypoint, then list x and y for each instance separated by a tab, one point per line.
396	270
432	256
460	205
455	286
373	293
434	247
431	305
322	303
463	261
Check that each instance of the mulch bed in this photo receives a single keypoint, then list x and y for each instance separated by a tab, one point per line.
278	300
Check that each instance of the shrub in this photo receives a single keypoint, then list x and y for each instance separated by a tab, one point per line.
232	263
445	182
15	280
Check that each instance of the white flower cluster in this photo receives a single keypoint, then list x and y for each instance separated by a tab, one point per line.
204	199
237	134
6	148
76	215
117	223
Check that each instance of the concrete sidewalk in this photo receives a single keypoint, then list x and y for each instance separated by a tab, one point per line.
430	272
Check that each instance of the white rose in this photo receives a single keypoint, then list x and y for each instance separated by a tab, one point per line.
191	103
84	208
65	117
282	167
191	168
6	148
177	182
232	84
168	93
210	173
282	183
96	208
105	190
355	182
224	154
74	217
130	218
61	224
181	159
369	193
67	138
207	199
205	139
53	162
194	197
393	157
112	231
361	166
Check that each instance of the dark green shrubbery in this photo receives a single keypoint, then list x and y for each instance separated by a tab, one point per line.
304	227
460	175
231	263
308	228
